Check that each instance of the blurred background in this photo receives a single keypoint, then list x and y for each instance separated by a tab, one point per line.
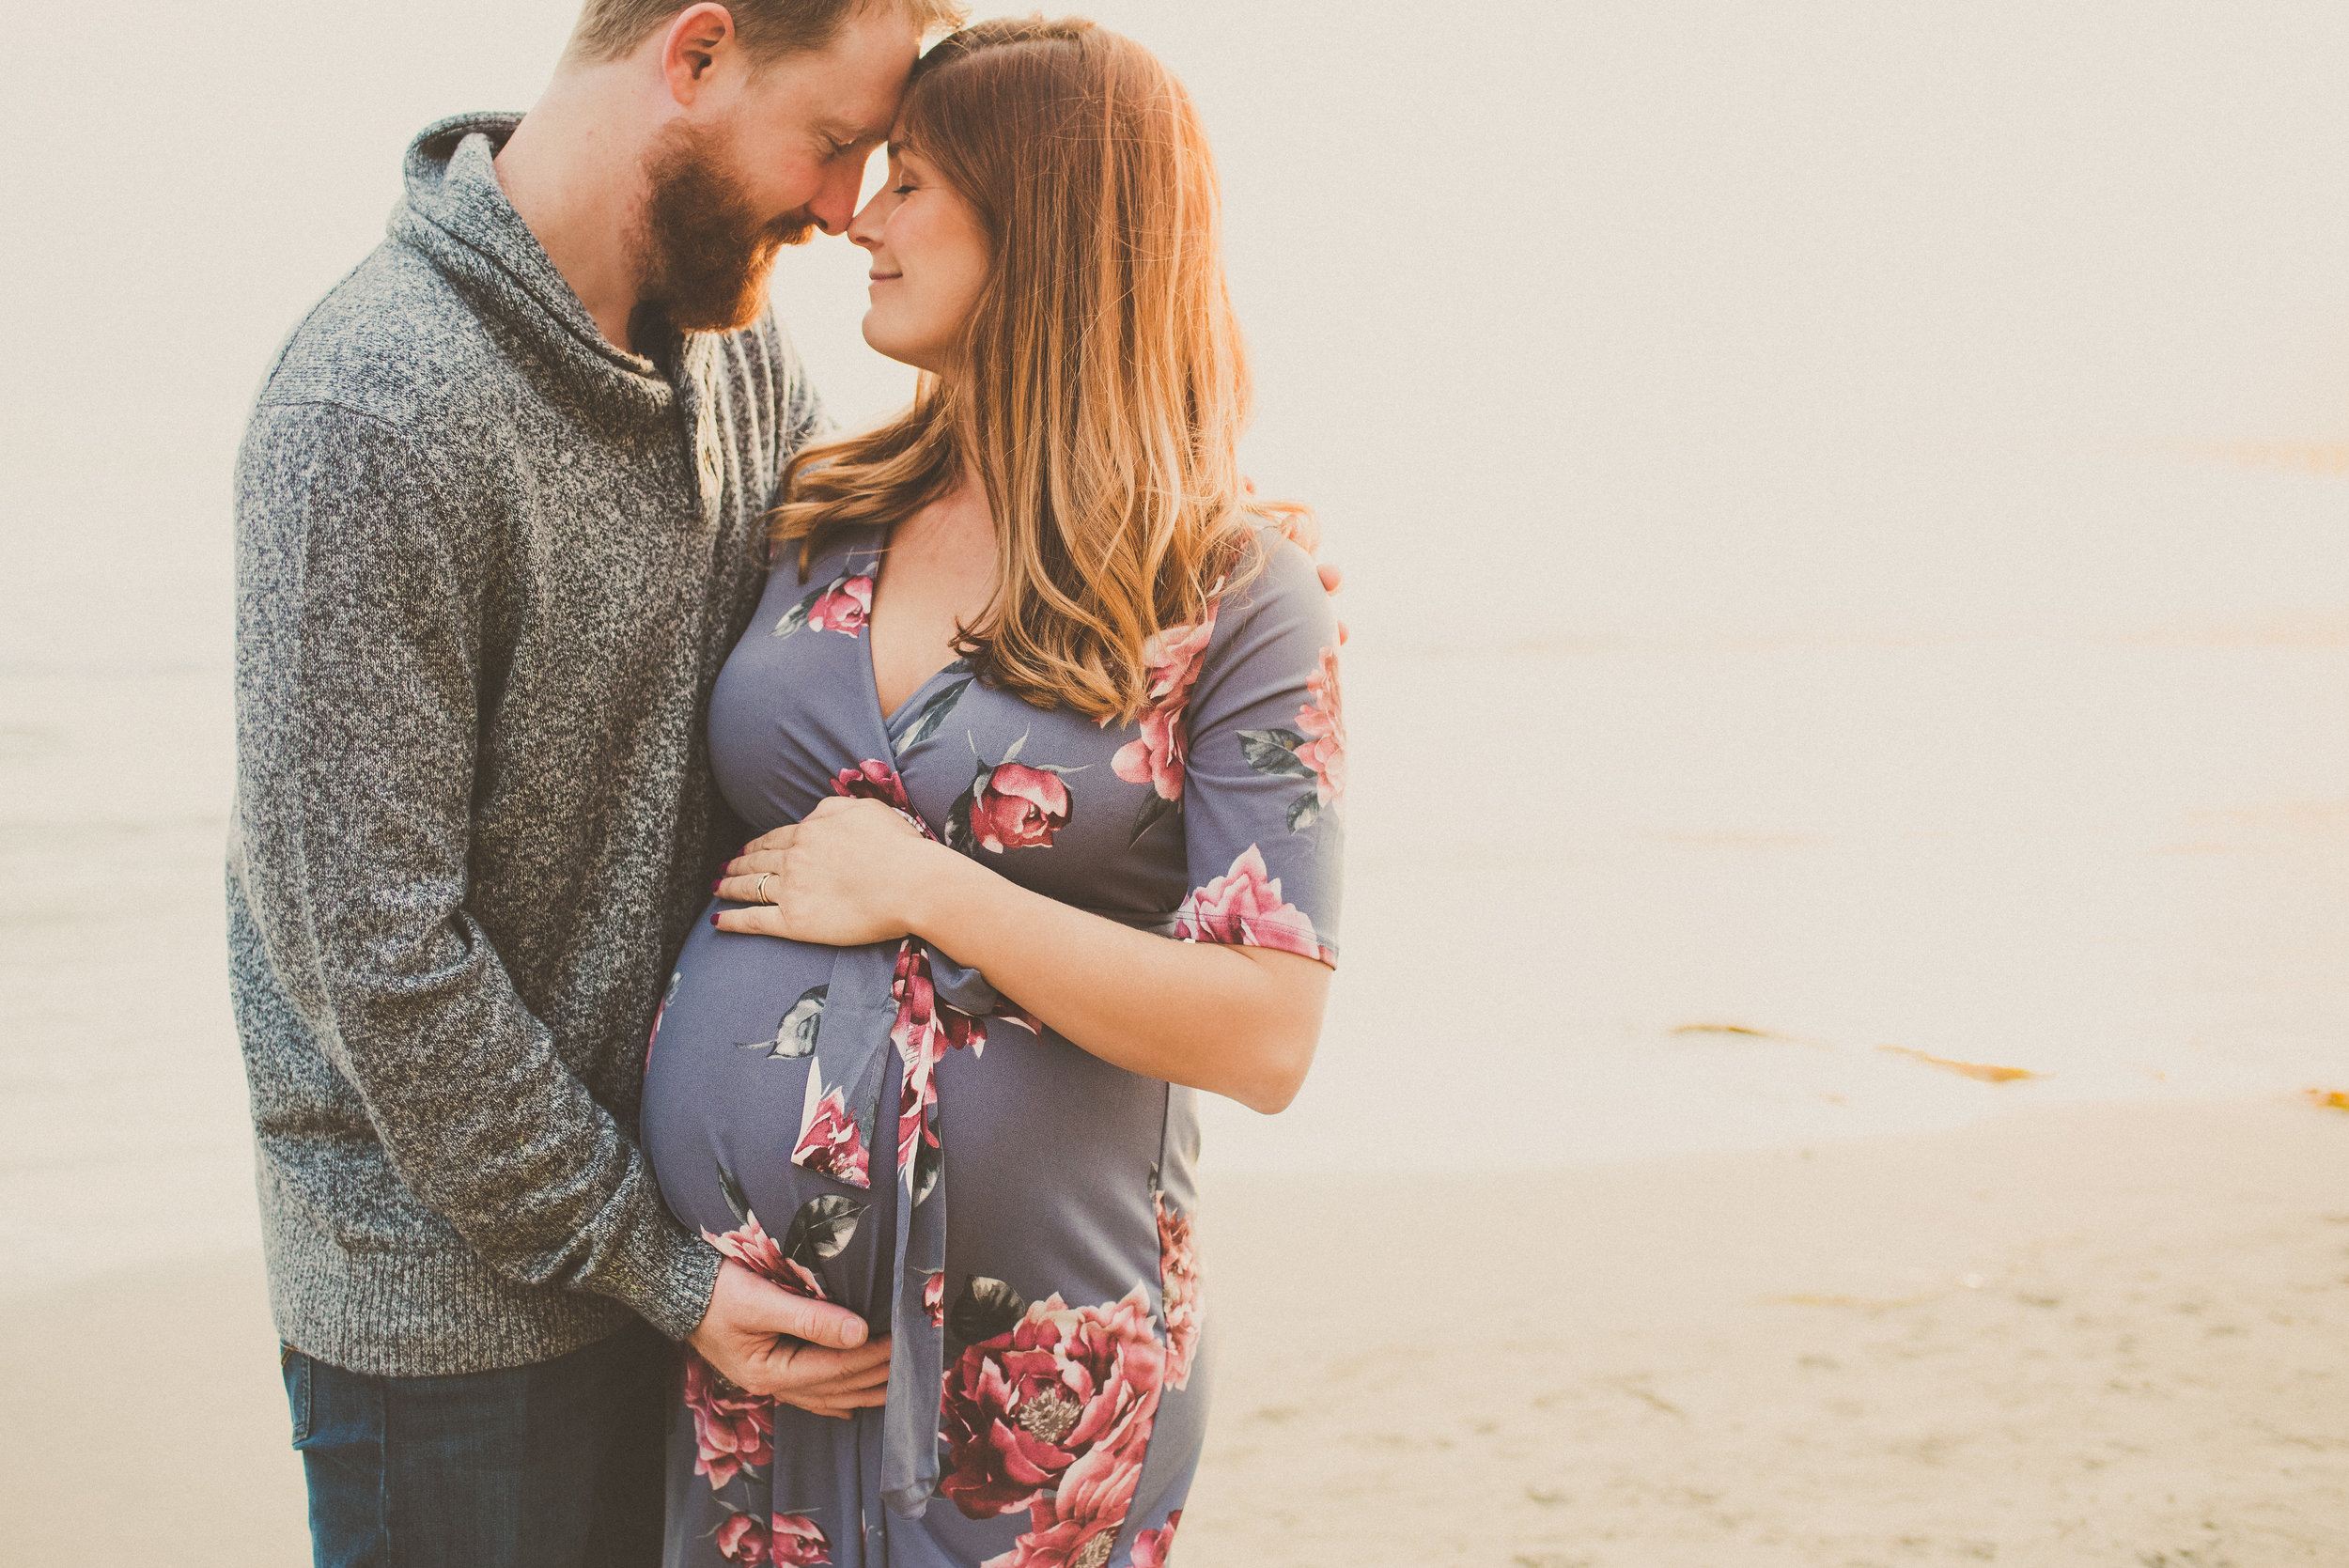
1841	506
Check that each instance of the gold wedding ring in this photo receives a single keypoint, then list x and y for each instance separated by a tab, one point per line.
758	889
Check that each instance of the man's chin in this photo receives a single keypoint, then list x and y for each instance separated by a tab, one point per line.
709	316
732	311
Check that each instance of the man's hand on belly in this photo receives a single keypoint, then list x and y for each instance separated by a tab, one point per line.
768	1342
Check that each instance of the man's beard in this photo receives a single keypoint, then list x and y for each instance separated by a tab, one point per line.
704	255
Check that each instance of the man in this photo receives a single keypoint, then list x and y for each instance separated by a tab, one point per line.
499	521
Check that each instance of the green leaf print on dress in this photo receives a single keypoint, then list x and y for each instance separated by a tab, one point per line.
1314	749
933	714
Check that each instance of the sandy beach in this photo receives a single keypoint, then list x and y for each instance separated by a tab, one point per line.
1845	565
2083	1336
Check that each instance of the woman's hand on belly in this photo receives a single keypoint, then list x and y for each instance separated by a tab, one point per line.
1237	1020
844	876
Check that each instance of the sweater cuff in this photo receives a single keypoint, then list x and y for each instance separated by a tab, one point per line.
666	1278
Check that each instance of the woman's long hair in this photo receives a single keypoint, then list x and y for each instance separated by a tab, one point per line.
1101	386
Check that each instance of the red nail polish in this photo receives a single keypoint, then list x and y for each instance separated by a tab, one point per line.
717	882
713	920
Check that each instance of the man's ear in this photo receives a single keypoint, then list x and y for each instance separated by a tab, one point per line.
700	41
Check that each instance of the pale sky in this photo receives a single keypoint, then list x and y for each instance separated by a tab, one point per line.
1686	314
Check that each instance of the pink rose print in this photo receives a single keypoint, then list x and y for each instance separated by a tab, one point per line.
1314	749
919	1152
1153	1547
873	781
743	1539
1173	658
1157	758
830	1142
927	1028
1077	1527
843	607
1011	1012
755	1249
1009	805
934	1300
798	1541
1018	807
1180	1284
1022	1408
732	1431
1322	721
1243	908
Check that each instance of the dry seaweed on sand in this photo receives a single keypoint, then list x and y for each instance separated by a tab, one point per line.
1981	1072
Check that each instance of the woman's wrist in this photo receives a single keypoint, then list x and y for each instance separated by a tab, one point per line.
931	890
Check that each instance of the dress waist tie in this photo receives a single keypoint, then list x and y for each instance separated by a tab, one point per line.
911	995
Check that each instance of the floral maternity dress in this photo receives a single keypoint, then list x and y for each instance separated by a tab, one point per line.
877	1126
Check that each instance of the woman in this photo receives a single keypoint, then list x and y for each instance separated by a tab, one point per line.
1036	686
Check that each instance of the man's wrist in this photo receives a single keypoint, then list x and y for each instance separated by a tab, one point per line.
675	1297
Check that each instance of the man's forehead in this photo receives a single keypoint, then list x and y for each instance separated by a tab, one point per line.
853	84
867	114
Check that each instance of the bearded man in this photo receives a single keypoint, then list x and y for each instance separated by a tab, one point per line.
499	517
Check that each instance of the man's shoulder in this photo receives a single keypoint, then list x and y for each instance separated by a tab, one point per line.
393	341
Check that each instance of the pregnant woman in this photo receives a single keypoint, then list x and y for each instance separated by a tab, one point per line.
1040	719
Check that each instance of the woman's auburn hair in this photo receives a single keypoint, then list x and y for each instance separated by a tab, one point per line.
1101	386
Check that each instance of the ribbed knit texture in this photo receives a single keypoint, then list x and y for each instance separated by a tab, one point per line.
488	568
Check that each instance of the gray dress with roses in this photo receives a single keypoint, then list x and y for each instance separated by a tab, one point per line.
877	1126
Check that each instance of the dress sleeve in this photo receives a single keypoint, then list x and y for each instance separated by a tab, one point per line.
1264	787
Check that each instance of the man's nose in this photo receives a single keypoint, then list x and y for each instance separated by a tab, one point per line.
837	203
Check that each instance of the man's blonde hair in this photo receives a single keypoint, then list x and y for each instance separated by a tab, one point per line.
768	29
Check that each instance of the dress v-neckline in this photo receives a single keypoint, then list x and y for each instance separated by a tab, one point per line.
889	716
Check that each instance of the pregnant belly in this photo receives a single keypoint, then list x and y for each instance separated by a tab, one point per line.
1049	1152
725	1085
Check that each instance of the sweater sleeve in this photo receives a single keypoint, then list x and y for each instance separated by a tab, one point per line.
359	668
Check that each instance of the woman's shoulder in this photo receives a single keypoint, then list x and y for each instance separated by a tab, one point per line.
1276	586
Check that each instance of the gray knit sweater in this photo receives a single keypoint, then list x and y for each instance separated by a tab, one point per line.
487	568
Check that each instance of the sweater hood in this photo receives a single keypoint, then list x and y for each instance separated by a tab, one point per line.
456	213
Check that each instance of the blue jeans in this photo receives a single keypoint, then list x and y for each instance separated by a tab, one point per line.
554	1466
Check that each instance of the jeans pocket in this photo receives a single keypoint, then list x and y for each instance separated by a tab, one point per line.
296	1367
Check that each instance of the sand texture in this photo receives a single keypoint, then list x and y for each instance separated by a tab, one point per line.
2106	1336
2099	1337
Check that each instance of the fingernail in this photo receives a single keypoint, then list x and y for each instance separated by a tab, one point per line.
713	920
717	882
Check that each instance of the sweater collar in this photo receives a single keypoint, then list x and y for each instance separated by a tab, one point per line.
455	212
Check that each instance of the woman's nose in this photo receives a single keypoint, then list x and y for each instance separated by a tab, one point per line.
864	228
